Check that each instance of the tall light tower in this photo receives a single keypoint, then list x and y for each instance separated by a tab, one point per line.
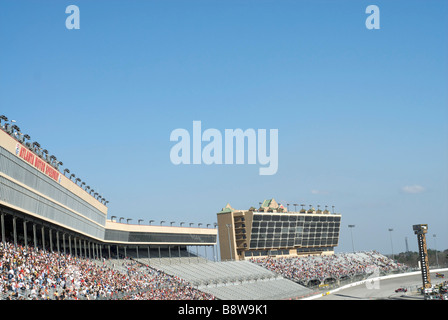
435	247
420	230
351	226
391	244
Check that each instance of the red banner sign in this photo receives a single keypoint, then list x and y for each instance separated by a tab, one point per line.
38	163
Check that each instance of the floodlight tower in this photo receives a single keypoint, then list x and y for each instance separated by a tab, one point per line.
420	230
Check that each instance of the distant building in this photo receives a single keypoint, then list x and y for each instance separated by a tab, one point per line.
273	231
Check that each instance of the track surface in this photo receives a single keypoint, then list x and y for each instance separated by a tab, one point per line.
384	289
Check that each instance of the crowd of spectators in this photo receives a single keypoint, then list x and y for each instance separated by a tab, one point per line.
34	274
163	286
304	269
28	273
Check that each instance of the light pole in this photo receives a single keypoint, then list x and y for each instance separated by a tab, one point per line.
391	244
351	226
435	247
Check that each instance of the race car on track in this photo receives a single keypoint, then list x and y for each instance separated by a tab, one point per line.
440	275
401	290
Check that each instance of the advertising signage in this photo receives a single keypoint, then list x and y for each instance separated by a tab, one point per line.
37	163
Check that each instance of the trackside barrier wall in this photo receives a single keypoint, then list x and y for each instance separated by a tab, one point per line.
369	280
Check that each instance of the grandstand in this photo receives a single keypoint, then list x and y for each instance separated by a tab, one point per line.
24	275
44	206
28	273
324	269
232	280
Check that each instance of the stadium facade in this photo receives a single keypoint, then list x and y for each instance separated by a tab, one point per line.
272	230
41	206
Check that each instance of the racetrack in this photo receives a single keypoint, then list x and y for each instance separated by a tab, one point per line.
384	289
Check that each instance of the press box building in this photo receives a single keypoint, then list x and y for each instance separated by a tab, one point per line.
273	231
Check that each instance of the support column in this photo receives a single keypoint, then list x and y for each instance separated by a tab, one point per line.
14	230
35	236
2	218
57	242
51	241
25	234
169	252
70	244
43	238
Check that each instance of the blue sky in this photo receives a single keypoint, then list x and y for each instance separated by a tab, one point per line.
362	115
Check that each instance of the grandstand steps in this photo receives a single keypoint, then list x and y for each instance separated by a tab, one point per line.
234	280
